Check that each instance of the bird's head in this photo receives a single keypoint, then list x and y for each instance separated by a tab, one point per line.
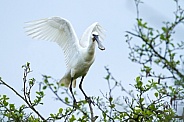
95	37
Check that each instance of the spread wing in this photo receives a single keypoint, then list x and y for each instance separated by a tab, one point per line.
58	30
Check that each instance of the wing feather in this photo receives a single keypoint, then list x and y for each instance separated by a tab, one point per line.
58	30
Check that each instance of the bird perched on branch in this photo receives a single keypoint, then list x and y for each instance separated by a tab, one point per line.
79	54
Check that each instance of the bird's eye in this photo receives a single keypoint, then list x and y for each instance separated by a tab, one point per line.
94	33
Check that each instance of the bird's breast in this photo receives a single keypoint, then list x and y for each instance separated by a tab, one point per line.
82	67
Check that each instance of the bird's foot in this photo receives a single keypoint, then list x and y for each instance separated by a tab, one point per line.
88	99
74	103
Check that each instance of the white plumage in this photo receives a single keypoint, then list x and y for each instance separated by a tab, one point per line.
79	54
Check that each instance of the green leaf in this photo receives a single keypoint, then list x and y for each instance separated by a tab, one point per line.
40	93
32	81
137	109
72	119
104	115
139	22
152	107
162	37
148	69
138	78
66	100
141	100
5	98
5	103
112	106
156	94
44	87
60	110
110	99
12	106
28	64
107	77
172	44
164	29
52	115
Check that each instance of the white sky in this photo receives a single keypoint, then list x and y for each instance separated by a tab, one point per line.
47	58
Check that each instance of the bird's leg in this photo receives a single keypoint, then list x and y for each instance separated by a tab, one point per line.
80	86
74	100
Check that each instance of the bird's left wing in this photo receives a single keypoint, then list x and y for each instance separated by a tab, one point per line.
58	30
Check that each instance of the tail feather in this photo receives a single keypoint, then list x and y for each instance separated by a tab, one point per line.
66	82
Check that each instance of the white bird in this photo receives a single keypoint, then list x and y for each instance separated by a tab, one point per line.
79	54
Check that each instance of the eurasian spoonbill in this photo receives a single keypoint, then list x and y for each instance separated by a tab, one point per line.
79	54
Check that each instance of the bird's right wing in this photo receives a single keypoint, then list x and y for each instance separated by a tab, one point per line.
58	30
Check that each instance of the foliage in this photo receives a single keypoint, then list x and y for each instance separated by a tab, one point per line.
10	112
158	47
132	108
159	52
135	105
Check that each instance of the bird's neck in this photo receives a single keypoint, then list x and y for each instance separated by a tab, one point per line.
91	46
90	51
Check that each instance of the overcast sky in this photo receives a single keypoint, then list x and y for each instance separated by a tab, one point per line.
47	57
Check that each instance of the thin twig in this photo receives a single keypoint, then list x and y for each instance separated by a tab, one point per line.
24	99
